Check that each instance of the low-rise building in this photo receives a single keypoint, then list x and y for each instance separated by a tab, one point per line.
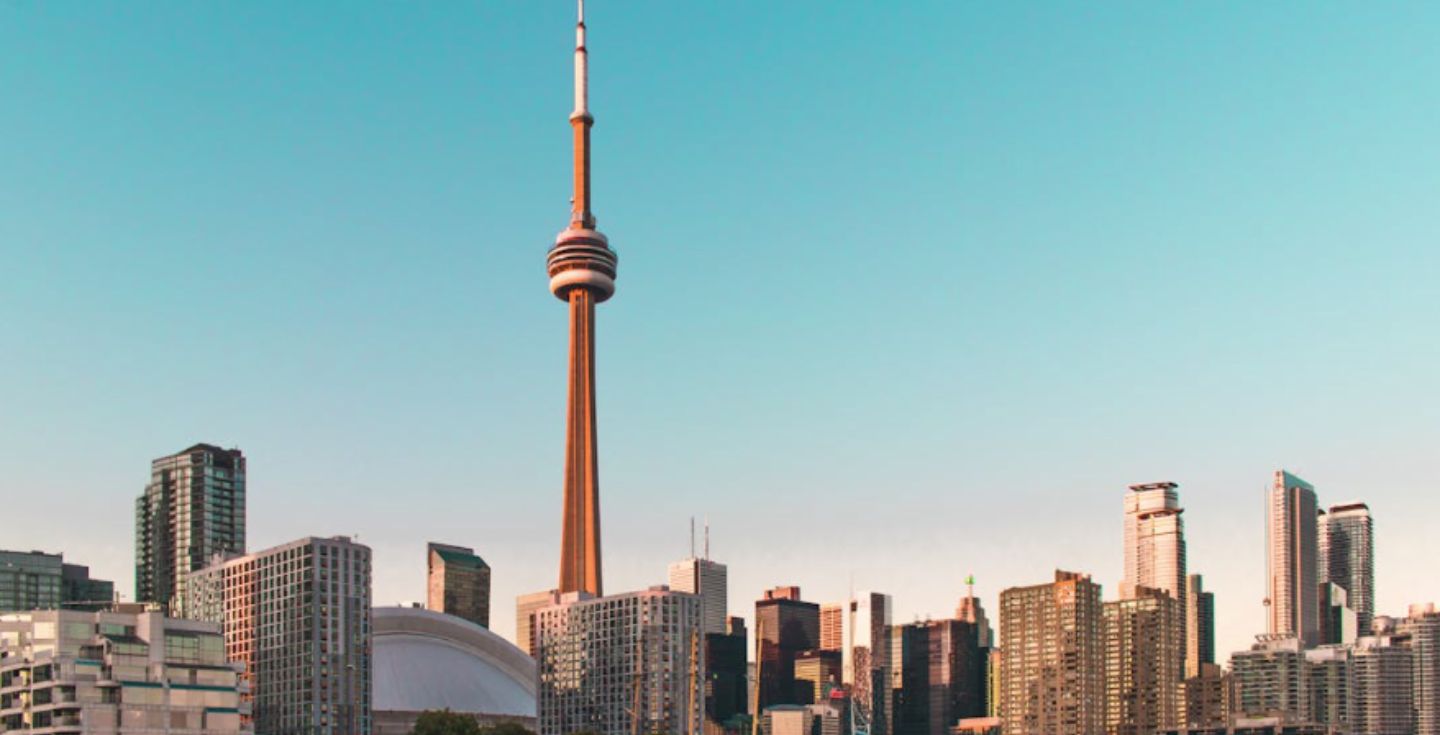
116	673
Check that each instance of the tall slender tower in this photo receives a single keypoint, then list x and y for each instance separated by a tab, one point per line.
582	274
1293	595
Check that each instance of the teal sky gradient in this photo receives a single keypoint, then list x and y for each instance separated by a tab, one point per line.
907	290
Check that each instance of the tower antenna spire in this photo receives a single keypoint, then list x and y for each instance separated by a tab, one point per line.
580	118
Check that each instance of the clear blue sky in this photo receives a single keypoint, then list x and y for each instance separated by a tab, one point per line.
907	290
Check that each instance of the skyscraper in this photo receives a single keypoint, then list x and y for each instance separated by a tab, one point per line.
941	676
866	658
727	673
1155	548
1347	558
619	665
1052	666
971	611
1142	668
457	583
1292	558
832	626
582	273
785	627
705	579
193	509
1199	626
298	617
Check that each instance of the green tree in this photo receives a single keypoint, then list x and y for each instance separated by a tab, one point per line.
506	728
445	722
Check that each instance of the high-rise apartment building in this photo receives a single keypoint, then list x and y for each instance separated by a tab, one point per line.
865	658
34	580
619	665
939	676
1142	663
1052	664
1423	628
525	607
1347	558
1382	683
1269	681
193	509
64	671
705	579
1293	559
1199	625
457	583
785	627
298	617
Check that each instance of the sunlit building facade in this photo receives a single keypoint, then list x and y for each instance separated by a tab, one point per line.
298	617
1293	560
622	664
1052	664
1142	663
707	580
115	673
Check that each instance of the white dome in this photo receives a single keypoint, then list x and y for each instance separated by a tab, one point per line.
426	660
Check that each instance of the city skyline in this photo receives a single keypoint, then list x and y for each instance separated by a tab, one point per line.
343	397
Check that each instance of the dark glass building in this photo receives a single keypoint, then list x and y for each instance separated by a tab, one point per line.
458	583
726	680
786	626
941	676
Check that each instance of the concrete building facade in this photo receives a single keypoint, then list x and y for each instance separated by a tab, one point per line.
1142	663
116	673
298	617
1052	667
621	664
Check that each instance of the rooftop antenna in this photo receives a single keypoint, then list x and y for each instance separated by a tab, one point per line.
692	518
707	538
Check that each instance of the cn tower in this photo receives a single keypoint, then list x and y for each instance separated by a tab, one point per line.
582	274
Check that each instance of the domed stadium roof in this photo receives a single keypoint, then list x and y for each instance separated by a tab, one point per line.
426	660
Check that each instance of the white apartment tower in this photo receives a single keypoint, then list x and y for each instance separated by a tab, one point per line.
1293	590
622	664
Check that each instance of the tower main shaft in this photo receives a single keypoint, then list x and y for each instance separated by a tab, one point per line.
582	273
